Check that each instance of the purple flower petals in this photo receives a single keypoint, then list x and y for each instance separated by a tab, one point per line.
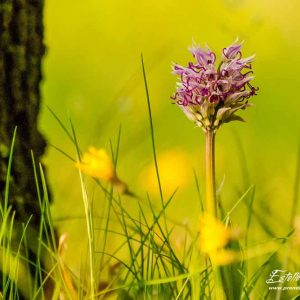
209	94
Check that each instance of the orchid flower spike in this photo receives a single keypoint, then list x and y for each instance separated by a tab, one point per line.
211	94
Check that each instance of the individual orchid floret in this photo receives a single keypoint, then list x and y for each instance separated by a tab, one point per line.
232	51
211	94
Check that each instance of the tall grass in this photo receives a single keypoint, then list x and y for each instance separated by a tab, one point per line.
153	268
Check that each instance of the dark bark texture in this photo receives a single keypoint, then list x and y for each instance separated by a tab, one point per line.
21	52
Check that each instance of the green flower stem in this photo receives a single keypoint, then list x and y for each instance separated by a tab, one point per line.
211	200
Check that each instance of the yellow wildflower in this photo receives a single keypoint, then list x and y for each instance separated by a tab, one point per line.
214	238
97	163
213	234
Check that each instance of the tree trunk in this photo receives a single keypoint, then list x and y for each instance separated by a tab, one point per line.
21	51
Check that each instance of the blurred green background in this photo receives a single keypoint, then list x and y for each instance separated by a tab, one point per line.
92	73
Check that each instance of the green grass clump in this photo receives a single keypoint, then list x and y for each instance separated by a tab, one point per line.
145	263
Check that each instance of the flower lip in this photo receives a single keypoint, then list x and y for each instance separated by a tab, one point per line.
205	92
214	98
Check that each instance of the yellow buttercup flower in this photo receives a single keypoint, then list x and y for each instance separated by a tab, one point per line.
98	164
213	234
214	238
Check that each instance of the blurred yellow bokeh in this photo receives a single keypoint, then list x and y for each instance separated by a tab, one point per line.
174	172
